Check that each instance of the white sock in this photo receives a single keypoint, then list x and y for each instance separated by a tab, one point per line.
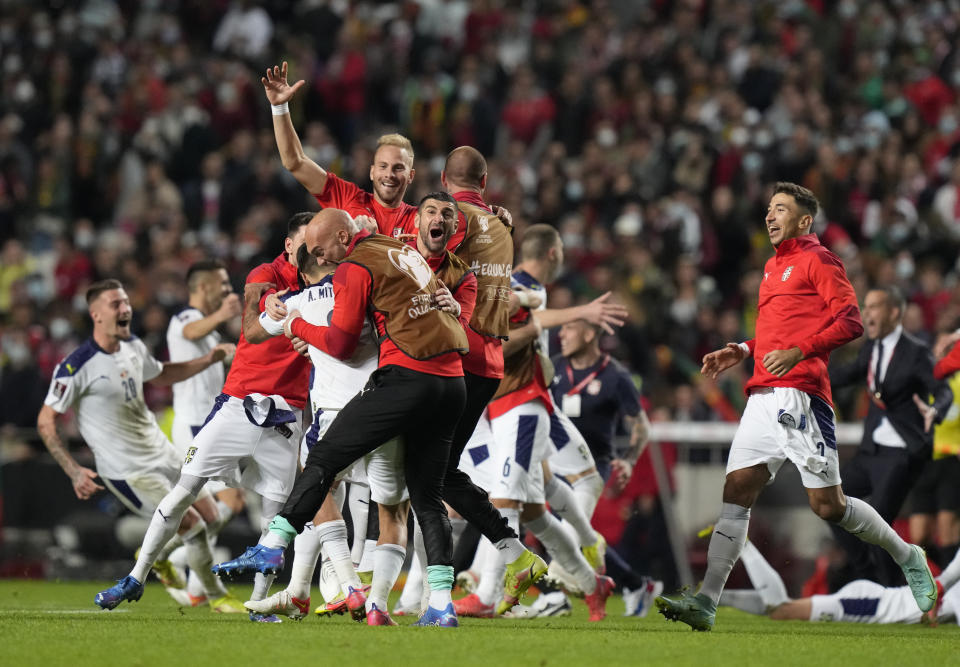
512	515
562	547
306	551
744	600
163	526
173	544
767	582
195	586
588	490
366	561
358	499
333	537
200	560
224	514
413	587
329	581
951	573
563	501
510	549
491	578
388	561
863	521
178	557
440	599
273	540
261	585
421	551
726	543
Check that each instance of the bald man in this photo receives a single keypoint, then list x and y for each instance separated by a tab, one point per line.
416	392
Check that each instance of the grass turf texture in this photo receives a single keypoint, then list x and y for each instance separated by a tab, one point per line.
50	623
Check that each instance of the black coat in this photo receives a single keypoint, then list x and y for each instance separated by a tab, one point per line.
910	372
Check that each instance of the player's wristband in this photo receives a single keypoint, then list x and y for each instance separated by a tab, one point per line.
745	348
280	109
523	298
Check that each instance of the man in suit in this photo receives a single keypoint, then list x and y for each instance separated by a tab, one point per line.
897	439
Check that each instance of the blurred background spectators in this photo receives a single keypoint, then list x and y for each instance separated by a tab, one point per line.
135	139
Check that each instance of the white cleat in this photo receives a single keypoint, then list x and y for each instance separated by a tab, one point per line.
281	603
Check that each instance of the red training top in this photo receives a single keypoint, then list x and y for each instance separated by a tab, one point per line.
806	301
271	367
351	293
949	365
338	193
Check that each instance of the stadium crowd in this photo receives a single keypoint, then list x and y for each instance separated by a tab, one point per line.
135	140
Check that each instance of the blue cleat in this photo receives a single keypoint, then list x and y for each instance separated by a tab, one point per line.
264	618
127	588
446	618
255	559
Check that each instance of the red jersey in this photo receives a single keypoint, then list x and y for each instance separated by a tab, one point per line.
338	193
485	357
805	301
272	367
351	293
947	366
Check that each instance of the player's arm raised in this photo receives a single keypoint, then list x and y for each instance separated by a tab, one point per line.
81	478
182	370
230	308
601	312
311	175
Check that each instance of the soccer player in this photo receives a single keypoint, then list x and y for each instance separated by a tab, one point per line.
191	333
860	601
416	391
520	422
391	172
807	308
256	420
103	380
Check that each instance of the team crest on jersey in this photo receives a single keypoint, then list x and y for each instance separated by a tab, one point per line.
58	389
594	387
396	232
786	274
484	223
190	452
411	263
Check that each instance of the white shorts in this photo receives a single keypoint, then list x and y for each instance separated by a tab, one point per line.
476	459
573	454
761	438
182	433
521	443
142	492
863	601
382	469
229	441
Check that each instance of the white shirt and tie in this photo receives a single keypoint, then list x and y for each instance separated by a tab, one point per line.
880	356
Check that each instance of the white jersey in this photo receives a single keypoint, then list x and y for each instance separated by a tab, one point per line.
107	392
334	381
520	279
193	398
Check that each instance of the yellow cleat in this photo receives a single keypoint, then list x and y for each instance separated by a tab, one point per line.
596	554
521	575
227	604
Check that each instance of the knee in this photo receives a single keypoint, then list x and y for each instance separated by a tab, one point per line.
828	509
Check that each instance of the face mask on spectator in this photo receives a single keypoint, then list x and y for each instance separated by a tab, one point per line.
60	328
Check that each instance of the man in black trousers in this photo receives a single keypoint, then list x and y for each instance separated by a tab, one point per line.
897	437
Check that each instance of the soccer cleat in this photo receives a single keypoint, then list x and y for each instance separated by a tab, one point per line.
186	599
697	611
445	618
255	559
555	603
356	603
558	577
597	601
227	604
377	617
166	572
467	581
638	602
127	588
521	575
282	603
264	618
473	607
337	605
402	610
596	554
920	579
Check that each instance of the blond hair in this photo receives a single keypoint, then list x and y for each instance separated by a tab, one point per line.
397	140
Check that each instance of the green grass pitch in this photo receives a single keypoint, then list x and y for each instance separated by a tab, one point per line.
53	623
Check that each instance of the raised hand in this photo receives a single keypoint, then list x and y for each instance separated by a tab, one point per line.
604	313
275	85
231	307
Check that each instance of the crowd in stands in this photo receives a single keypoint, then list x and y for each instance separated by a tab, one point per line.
135	139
